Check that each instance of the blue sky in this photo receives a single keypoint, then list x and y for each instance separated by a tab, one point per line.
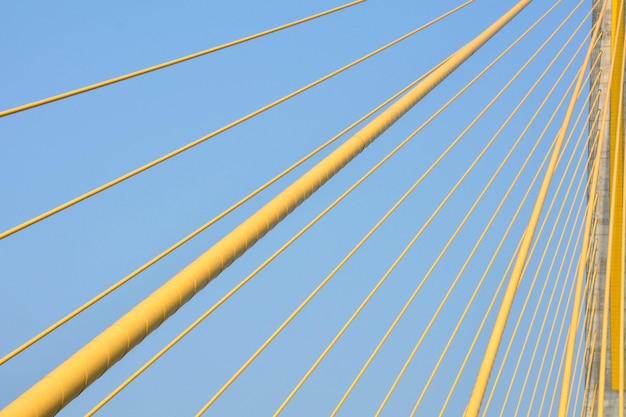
53	153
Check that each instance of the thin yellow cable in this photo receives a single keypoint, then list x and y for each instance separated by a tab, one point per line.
196	232
534	280
543	324
345	327
484	320
427	275
419	400
61	385
478	332
461	319
554	354
559	304
315	291
274	255
206	314
215	132
573	317
555	351
482	379
536	276
169	63
435	315
551	331
543	224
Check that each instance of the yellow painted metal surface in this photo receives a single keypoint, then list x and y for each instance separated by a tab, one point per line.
614	275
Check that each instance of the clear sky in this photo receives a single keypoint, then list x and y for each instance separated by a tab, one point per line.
51	154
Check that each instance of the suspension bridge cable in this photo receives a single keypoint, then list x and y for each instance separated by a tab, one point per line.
113	343
473	405
308	373
500	285
548	308
411	355
511	338
582	259
251	275
530	187
558	341
182	334
496	252
542	292
334	340
291	317
202	228
216	132
555	351
537	307
479	285
170	63
534	280
537	304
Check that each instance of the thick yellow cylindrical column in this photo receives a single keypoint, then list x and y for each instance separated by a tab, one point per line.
64	383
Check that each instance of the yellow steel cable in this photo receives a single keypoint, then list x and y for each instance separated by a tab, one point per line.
582	259
414	351
470	302
435	315
555	351
388	272
215	132
581	348
493	258
554	354
535	278
442	252
545	129
559	304
54	391
282	248
343	329
548	308
246	364
484	320
538	303
205	226
169	63
482	378
605	310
